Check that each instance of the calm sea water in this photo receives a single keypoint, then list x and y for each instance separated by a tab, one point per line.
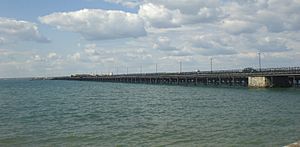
72	113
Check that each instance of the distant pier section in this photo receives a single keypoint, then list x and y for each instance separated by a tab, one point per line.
248	77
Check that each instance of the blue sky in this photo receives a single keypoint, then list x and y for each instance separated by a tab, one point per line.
63	37
31	9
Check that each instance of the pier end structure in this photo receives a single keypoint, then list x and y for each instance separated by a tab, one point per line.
269	81
259	82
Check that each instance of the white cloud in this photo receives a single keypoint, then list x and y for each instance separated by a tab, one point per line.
97	24
239	26
2	40
90	50
206	14
76	56
52	55
127	3
159	16
14	30
272	44
276	15
187	6
175	13
214	44
37	58
163	43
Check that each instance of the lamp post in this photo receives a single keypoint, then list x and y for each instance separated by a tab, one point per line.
211	64
117	72
180	66
259	60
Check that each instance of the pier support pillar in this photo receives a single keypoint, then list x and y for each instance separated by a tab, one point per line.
207	81
294	81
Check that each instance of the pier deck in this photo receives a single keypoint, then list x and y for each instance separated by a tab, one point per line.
268	77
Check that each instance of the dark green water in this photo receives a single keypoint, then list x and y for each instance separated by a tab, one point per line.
70	113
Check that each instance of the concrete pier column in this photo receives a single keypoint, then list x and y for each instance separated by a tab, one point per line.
259	82
264	82
203	81
294	81
271	82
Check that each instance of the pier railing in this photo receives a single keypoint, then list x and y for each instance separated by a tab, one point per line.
245	71
234	72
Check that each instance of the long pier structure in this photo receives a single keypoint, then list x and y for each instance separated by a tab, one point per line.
248	77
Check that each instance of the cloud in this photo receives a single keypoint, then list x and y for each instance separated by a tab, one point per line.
239	26
37	58
2	40
52	56
212	45
90	50
186	6
127	3
92	53
14	30
275	15
75	57
164	44
97	24
271	44
175	13
159	16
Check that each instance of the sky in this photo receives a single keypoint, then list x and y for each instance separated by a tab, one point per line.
64	37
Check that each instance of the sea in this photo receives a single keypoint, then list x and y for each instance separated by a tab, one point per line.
50	113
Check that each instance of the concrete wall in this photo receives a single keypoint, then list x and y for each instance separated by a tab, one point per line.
258	82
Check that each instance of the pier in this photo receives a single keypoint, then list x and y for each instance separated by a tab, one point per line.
248	77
